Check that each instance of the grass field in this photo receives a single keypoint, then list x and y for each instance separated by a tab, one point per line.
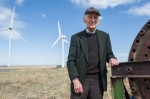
37	83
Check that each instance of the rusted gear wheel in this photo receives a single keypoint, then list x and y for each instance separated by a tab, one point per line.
140	51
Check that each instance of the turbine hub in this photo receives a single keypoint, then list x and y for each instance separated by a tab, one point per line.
63	36
10	28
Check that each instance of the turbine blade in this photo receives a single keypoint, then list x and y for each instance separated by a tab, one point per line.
66	41
12	18
19	36
4	29
55	42
59	29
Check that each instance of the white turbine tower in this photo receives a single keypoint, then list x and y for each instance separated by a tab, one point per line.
62	37
10	28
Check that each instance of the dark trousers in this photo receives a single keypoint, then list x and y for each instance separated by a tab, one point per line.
92	89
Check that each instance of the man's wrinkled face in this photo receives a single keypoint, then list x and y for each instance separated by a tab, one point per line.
91	20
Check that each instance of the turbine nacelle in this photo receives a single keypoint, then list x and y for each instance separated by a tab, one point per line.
10	28
62	36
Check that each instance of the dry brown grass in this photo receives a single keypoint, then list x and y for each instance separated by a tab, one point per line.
37	83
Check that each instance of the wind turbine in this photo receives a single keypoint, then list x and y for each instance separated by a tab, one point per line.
10	28
62	37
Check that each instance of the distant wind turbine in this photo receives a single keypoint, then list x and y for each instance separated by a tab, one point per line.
11	30
63	40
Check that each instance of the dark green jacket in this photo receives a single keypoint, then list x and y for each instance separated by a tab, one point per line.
77	63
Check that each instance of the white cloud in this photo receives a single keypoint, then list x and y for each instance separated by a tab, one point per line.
101	17
5	35
122	54
43	15
122	57
5	19
19	2
143	10
5	14
102	4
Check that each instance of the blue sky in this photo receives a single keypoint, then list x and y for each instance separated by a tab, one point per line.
36	21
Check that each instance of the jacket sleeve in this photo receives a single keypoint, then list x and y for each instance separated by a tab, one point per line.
71	62
109	49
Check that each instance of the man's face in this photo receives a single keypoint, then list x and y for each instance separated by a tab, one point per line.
91	20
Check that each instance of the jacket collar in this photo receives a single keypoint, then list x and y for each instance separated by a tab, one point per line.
89	32
84	43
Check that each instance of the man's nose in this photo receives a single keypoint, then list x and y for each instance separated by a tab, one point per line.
93	19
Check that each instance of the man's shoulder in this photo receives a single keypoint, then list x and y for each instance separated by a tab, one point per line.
102	32
79	34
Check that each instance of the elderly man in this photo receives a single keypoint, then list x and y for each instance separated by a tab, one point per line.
89	51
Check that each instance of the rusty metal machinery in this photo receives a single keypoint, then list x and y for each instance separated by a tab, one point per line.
137	69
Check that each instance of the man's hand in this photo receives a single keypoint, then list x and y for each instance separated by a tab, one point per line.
77	86
113	62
